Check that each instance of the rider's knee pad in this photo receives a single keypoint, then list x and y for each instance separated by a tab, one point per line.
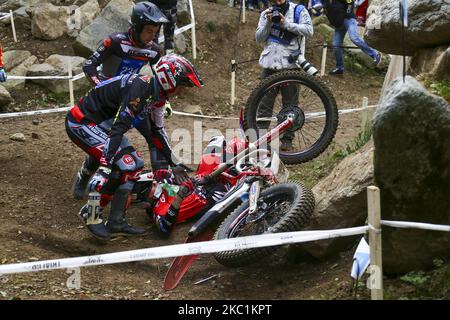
130	163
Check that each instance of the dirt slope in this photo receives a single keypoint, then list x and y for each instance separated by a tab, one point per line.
39	217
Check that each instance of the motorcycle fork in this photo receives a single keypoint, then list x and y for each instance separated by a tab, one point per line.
255	190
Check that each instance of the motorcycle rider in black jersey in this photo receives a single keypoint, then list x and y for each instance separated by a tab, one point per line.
123	53
97	124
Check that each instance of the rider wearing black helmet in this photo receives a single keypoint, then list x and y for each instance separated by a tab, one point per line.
98	123
120	54
127	52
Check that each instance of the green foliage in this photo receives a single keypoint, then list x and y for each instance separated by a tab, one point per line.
312	172
416	278
211	26
357	143
440	88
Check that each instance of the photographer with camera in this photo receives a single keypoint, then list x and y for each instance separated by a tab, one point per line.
282	28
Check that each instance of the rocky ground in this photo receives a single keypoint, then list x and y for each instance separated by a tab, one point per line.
39	217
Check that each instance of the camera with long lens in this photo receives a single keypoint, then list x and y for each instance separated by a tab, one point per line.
276	15
304	64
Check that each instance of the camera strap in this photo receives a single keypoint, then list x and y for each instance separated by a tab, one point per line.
282	36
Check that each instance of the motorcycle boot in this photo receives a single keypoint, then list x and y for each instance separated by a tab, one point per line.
116	224
82	177
92	216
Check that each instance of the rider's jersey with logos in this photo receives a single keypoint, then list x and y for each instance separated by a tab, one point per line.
132	101
118	55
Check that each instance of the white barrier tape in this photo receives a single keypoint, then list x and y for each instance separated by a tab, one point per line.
32	113
78	76
265	240
416	225
178	31
5	16
202	116
343	111
46	111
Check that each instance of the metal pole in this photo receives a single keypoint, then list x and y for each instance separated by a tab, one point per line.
243	11
374	212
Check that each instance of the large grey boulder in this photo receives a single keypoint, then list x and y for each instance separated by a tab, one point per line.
341	201
434	63
50	22
412	168
13	58
20	70
5	98
429	22
57	65
112	19
82	16
15	4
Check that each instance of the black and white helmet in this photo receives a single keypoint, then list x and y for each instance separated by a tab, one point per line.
146	13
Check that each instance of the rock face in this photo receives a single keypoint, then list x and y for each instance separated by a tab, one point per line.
20	70
112	19
434	63
429	22
13	58
15	4
5	97
50	22
412	169
341	201
57	65
82	16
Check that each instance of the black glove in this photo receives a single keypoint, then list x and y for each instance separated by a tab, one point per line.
180	174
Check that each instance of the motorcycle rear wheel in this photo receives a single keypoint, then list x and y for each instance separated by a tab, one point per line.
289	208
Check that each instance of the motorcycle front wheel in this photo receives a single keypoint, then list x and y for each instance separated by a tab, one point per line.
281	208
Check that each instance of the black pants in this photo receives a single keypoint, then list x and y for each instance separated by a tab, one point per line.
169	28
289	97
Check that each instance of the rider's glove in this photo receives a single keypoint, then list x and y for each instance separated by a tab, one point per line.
167	109
186	188
3	75
180	174
162	174
200	181
99	179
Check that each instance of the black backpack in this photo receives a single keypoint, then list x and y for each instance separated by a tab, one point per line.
337	11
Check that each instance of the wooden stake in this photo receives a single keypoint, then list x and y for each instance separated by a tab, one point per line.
194	38
72	100
374	212
364	114
233	82
324	60
12	25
